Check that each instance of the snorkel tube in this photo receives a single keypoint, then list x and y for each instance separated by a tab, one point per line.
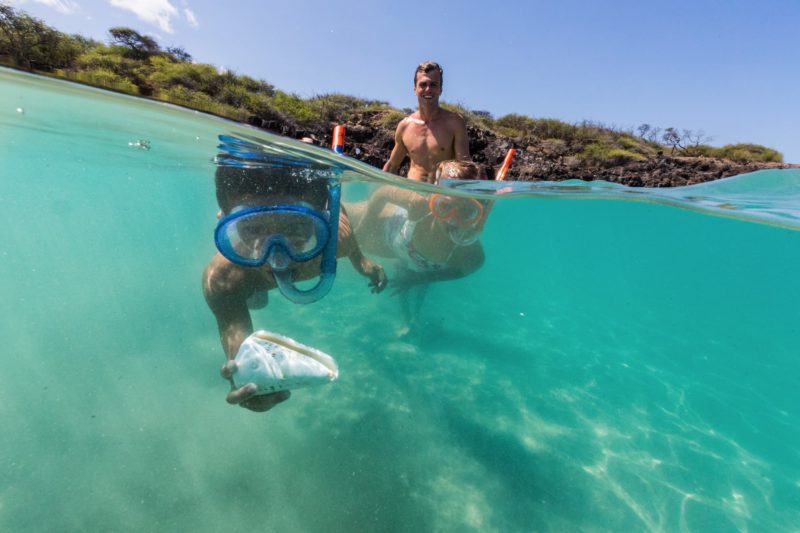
328	264
501	174
337	145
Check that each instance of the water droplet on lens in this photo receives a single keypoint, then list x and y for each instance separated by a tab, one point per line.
141	144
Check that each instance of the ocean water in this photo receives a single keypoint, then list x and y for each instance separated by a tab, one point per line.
623	361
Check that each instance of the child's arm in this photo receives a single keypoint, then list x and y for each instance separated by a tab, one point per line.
363	265
413	202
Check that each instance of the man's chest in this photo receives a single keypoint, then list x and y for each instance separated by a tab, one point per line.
427	136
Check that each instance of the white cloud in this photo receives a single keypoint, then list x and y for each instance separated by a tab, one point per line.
158	12
190	18
64	6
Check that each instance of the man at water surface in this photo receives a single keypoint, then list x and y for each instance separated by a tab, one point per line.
231	289
431	134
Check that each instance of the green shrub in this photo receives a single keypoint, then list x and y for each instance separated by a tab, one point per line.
261	106
700	150
516	125
636	145
594	152
618	156
472	118
588	133
106	78
628	143
295	107
235	95
514	121
199	100
509	132
391	118
256	86
102	57
604	154
551	128
192	76
747	153
336	107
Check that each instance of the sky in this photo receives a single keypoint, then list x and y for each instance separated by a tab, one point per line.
729	68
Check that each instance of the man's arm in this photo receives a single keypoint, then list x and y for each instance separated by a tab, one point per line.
460	140
399	151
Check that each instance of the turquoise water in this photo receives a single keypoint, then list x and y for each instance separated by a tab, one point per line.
614	366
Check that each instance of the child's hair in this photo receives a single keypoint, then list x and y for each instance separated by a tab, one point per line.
460	170
235	183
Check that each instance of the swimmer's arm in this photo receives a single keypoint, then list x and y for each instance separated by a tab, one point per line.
399	151
223	288
369	269
363	265
415	204
461	141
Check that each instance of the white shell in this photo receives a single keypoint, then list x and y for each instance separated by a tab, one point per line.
275	363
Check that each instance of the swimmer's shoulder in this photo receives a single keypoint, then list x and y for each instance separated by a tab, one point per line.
411	120
454	117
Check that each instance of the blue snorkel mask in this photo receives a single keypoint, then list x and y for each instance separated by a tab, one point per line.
280	235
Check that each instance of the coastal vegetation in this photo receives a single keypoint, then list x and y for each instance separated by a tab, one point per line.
136	64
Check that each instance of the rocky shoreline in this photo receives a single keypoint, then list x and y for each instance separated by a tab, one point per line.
369	140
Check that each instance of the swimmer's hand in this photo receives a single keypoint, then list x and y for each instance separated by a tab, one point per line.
245	396
375	273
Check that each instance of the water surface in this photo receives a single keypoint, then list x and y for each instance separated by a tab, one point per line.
616	365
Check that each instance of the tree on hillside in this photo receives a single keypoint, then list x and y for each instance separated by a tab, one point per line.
18	35
32	44
696	138
136	45
672	139
179	54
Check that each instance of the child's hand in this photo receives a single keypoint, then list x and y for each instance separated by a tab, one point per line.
245	396
375	273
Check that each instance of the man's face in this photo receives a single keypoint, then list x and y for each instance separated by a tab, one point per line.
428	86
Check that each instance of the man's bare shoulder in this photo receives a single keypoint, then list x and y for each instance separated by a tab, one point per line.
452	116
413	119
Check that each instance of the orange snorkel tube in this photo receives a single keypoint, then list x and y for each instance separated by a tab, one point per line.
501	174
337	144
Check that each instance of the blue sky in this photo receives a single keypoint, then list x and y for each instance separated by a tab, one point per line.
728	67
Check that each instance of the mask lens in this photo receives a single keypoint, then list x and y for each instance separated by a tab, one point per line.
468	211
459	211
299	235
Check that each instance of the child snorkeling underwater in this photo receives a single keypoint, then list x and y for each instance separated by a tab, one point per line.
432	237
281	223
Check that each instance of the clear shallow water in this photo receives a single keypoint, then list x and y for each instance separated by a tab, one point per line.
614	366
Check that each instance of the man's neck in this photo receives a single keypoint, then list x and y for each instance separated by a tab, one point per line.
428	112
